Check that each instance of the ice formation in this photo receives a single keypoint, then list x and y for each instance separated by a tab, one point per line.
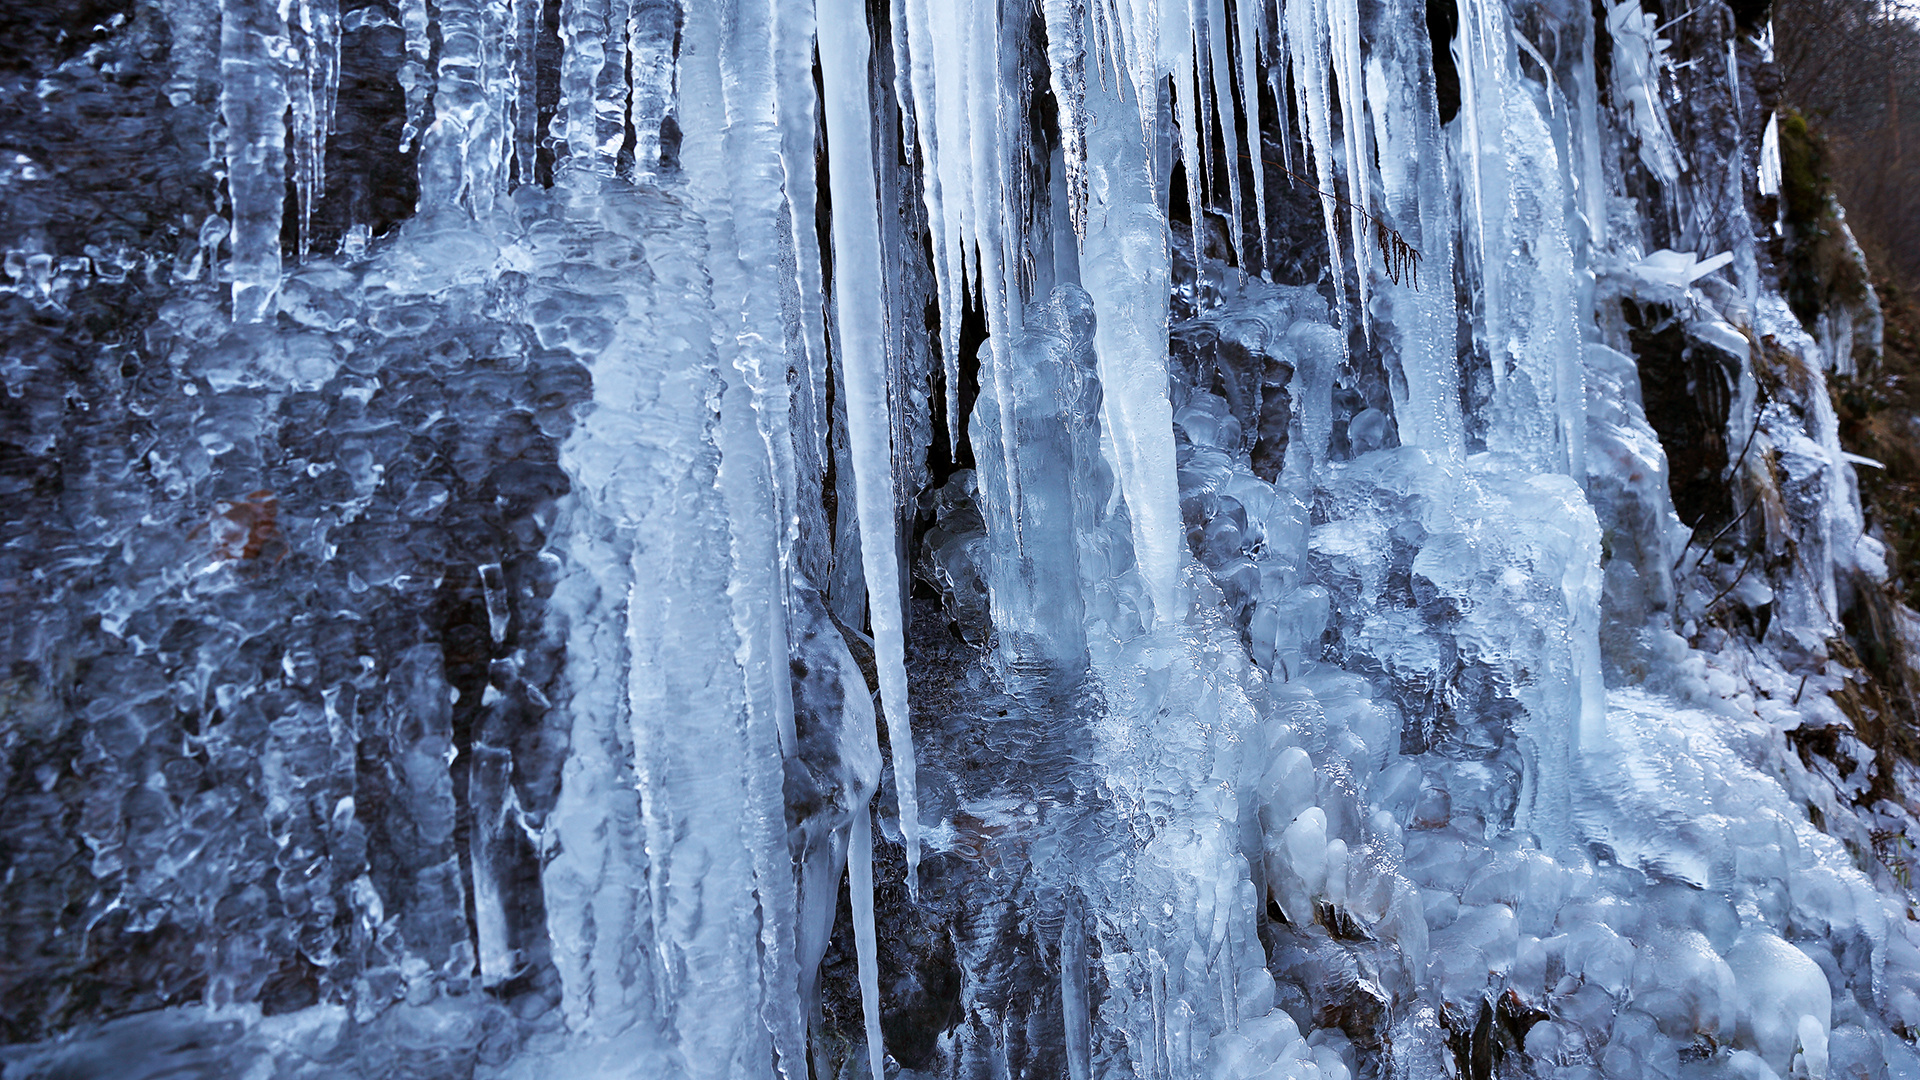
1099	538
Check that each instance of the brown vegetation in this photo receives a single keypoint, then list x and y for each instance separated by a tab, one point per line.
1852	69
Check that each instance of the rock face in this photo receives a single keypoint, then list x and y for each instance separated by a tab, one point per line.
722	538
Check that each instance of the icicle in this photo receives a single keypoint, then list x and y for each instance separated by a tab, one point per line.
1467	48
1307	35
1102	44
930	116
254	53
1639	55
1769	168
1186	104
1139	22
584	76
806	292
903	79
1591	177
858	294
1204	105
650	75
462	157
866	943
522	50
493	803
1124	268
1733	81
413	76
1113	39
613	88
1077	1020
1067	63
1280	82
1343	34
1248	13
986	182
1223	109
313	101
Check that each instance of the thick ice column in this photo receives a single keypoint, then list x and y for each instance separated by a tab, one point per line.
650	76
463	157
1035	582
731	157
702	749
597	881
1123	266
593	82
254	52
1528	293
859	291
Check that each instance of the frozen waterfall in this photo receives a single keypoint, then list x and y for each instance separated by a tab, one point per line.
1152	539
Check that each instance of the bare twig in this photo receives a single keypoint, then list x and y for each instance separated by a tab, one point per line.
1401	257
1708	546
1722	594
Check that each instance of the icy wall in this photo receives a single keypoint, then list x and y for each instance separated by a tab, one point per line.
935	538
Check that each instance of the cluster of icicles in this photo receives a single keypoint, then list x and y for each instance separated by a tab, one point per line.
1136	83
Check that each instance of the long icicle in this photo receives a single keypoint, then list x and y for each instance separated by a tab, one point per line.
1066	63
315	88
1186	103
865	940
1343	34
1125	270
1227	115
858	297
927	107
1307	38
1251	19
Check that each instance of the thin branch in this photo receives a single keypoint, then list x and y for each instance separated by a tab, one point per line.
1402	258
1722	594
1708	546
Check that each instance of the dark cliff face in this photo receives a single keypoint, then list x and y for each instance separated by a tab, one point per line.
243	568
